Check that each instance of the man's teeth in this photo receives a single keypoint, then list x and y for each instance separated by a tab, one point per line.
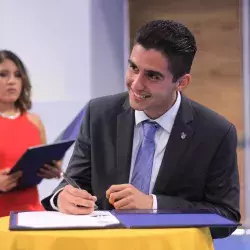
142	96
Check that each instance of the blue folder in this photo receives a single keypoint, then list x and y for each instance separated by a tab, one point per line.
158	219
34	158
172	219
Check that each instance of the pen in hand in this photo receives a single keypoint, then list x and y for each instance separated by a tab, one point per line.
71	182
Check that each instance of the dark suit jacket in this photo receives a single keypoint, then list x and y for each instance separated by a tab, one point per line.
198	172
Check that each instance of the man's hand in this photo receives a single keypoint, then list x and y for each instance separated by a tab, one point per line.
126	196
75	201
51	171
7	182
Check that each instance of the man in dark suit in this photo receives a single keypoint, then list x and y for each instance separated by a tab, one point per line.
152	147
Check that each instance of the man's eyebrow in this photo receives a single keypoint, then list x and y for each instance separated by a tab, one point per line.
153	72
131	62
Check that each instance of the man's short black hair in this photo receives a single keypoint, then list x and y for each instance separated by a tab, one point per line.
171	38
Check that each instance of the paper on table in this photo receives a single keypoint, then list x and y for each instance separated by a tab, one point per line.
46	219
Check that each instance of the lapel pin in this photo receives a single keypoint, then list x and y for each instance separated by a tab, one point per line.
183	135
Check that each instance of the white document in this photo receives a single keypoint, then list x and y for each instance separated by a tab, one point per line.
48	219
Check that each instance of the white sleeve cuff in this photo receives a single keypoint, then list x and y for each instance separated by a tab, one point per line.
154	202
52	203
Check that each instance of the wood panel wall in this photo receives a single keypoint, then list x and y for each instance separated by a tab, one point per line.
216	73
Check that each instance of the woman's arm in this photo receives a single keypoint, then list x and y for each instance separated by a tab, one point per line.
36	120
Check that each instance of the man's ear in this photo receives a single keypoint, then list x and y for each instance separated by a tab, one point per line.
183	82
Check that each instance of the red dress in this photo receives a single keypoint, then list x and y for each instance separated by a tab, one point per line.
15	137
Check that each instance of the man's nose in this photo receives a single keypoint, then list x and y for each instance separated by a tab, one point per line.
138	82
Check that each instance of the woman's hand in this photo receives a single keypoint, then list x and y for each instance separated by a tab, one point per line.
8	181
51	171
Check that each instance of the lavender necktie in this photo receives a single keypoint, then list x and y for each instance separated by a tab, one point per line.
144	161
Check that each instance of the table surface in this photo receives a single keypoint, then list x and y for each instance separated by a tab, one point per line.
110	239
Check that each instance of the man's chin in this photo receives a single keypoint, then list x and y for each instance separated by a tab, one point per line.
136	105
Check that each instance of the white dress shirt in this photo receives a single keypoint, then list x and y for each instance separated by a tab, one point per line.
166	122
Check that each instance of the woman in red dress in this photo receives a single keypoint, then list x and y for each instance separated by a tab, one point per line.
19	129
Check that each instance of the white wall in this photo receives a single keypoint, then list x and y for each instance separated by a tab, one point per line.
74	51
109	24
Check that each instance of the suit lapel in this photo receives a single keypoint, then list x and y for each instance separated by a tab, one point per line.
180	138
125	131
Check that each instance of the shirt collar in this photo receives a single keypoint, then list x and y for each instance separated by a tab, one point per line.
166	121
